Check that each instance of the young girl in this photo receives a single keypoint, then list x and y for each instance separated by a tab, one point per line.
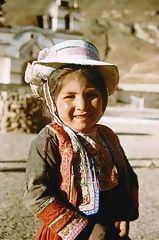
79	182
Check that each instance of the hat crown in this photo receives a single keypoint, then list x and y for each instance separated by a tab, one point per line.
70	49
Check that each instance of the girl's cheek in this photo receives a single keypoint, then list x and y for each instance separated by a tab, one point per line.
65	106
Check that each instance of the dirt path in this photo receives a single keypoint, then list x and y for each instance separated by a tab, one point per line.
16	223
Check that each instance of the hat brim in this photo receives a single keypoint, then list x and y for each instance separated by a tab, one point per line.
108	70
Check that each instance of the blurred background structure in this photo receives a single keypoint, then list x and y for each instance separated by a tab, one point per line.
126	33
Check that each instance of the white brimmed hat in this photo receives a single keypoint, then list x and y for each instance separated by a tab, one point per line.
71	52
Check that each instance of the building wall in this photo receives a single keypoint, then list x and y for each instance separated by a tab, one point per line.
5	68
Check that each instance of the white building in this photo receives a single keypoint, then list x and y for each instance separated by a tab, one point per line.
20	45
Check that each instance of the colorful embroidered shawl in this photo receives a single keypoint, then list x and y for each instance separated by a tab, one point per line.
64	222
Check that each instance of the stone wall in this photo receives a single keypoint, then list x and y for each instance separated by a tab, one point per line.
20	112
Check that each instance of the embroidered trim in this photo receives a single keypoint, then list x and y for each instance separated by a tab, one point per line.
67	154
88	181
44	205
86	176
93	207
52	224
51	212
72	229
58	225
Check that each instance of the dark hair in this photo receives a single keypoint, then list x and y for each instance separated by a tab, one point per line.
93	74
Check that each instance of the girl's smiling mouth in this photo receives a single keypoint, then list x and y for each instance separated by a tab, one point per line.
82	116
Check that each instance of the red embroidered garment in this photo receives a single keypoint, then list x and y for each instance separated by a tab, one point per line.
60	222
54	214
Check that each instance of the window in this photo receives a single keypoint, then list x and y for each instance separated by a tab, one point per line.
67	22
64	3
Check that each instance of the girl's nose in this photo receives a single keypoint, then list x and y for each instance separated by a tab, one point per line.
81	103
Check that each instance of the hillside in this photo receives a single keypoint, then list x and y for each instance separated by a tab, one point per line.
126	31
129	36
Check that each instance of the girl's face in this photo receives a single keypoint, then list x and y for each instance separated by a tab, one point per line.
79	103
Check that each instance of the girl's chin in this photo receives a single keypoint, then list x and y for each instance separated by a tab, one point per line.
85	130
81	127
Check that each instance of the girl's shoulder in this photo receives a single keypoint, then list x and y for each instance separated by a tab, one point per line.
45	136
108	133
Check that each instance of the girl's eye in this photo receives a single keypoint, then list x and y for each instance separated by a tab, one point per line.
69	97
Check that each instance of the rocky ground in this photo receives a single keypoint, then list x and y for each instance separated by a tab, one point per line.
18	224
